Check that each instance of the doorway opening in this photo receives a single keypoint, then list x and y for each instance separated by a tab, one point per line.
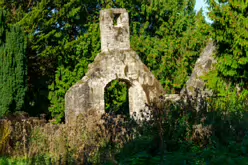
116	97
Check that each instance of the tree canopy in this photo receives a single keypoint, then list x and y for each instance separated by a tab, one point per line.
13	67
63	37
47	45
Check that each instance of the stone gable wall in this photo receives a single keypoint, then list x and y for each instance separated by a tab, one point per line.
117	61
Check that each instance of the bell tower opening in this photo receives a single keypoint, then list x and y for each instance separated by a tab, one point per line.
115	20
116	97
114	27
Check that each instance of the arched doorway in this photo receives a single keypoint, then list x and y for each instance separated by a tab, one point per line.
116	97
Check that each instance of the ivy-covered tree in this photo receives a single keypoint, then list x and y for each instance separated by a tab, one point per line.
13	68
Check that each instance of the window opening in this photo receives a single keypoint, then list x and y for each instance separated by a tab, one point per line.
116	17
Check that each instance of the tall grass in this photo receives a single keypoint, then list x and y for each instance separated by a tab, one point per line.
189	131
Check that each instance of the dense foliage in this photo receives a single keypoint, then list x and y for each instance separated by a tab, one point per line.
174	134
59	47
116	98
13	67
64	37
47	45
229	32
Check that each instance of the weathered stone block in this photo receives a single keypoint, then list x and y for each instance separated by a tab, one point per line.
114	25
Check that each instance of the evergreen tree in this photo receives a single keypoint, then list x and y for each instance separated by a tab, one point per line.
54	30
2	28
230	23
64	37
13	69
167	35
169	40
230	33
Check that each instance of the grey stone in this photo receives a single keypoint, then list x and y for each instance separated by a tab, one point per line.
117	61
204	64
114	36
172	97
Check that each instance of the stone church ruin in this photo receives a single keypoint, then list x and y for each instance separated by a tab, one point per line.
117	61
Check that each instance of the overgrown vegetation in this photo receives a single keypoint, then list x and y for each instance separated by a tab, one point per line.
229	31
190	131
64	37
46	46
116	98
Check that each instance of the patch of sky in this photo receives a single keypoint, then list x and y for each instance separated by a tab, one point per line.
202	4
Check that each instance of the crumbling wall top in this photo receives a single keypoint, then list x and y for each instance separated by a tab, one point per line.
114	26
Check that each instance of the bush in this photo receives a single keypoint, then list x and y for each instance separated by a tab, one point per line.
189	131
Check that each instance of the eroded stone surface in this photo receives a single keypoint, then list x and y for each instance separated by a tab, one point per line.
114	26
88	93
204	64
117	61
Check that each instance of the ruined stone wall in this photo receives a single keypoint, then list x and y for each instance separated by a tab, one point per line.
88	93
204	64
114	26
117	61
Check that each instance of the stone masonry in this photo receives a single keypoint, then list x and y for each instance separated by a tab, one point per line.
114	25
204	64
117	61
